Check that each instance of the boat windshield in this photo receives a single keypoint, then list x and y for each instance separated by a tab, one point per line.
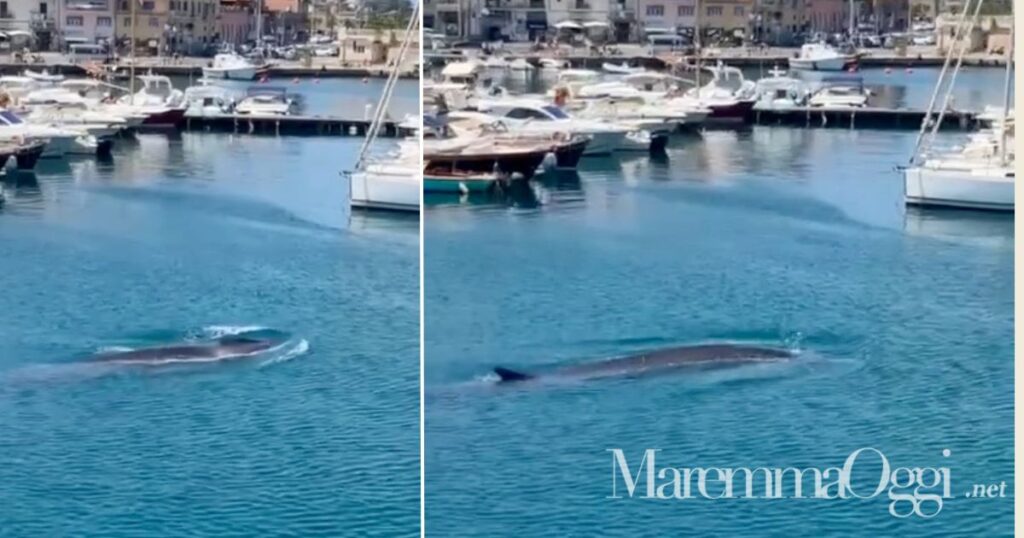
9	118
556	112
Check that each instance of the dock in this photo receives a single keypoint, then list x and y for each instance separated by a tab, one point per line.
660	62
861	118
289	125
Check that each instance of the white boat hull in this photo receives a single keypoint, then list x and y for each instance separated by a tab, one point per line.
980	188
239	73
824	64
604	143
390	187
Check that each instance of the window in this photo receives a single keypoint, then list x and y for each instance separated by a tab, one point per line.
714	11
104	22
42	8
358	49
9	118
124	5
75	20
526	114
147	5
685	11
154	22
4	14
556	112
127	21
737	10
655	11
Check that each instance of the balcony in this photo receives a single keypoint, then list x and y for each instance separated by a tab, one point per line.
41	21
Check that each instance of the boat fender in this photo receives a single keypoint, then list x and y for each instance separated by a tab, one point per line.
550	160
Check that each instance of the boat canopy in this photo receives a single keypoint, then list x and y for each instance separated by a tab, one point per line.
264	91
462	69
568	25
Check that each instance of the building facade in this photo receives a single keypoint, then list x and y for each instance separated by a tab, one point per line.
446	17
34	21
727	18
146	27
828	16
168	26
286	21
86	21
237	23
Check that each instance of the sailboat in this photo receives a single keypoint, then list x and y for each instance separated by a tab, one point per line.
979	174
393	181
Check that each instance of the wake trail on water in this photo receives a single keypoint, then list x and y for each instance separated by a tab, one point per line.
286	348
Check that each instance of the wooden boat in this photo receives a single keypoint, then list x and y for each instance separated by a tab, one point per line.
519	158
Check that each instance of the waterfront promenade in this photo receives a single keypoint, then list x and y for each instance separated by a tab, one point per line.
912	56
327	67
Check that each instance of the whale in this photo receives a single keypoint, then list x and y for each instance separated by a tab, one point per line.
221	349
657	361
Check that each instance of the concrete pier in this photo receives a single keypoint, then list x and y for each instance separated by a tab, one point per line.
861	118
289	125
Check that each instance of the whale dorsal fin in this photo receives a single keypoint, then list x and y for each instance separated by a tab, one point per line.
508	376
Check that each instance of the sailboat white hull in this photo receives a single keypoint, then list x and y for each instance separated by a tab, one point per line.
979	188
390	187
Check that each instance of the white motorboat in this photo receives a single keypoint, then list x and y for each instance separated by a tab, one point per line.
645	94
820	57
267	101
554	64
61	141
209	100
17	87
495	62
231	66
44	76
156	90
620	69
158	103
460	83
631	110
573	79
520	64
77	117
539	116
780	92
844	92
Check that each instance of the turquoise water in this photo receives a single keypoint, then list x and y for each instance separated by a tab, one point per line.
187	238
782	237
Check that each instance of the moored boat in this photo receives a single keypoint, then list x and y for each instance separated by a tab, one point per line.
820	57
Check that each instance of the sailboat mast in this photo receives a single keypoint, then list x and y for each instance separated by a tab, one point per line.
1006	97
697	45
259	23
852	19
131	68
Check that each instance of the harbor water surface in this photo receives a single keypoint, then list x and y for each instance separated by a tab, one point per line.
773	236
189	238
